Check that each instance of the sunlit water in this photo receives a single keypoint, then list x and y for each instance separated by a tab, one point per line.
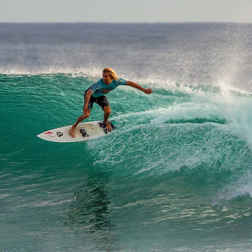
176	173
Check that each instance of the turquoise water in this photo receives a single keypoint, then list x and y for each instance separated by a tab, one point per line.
176	176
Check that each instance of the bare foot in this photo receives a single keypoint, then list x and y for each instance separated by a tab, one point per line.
108	125
71	131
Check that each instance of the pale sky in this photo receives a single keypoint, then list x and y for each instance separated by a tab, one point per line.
124	11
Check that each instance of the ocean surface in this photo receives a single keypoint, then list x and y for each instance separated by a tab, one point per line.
176	176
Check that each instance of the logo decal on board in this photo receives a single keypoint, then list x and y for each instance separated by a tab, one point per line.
48	133
59	134
84	133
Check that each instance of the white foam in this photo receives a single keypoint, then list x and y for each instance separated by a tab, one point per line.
241	187
80	71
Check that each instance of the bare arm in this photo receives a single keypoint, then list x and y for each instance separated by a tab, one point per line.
86	99
135	85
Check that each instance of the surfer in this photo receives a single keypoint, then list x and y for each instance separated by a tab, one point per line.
95	93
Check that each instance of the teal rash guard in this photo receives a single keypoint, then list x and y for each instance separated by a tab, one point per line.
98	87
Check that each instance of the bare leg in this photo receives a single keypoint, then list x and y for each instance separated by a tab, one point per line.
107	111
85	115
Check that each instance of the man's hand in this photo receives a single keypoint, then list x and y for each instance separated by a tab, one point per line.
148	91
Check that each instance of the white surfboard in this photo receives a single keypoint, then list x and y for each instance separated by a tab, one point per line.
84	131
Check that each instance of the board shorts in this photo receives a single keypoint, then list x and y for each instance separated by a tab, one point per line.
102	101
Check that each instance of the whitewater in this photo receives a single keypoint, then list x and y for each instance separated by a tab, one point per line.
175	176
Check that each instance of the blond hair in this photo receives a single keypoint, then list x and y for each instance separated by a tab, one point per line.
111	72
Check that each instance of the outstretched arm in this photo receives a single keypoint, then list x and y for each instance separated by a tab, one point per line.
145	90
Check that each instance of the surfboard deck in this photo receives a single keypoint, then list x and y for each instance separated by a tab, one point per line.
83	132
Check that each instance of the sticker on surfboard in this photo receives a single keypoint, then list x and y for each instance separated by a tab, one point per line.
84	131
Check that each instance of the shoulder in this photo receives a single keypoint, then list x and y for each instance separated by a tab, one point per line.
96	85
100	82
120	81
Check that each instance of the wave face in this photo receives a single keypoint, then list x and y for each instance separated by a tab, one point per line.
176	173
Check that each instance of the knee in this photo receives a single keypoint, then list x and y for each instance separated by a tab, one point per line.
86	114
107	110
